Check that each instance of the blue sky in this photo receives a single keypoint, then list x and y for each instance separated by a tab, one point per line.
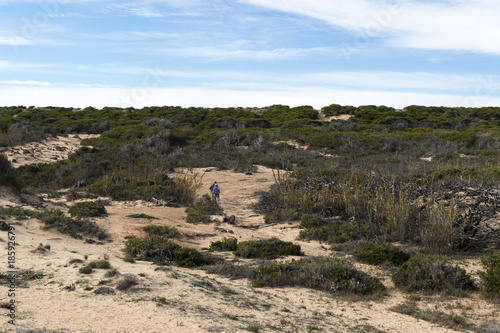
249	52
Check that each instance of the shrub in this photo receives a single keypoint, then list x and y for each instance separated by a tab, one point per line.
281	215
380	253
163	250
226	244
104	291
127	282
201	211
100	264
7	172
308	221
165	231
321	273
267	248
491	277
431	273
86	270
87	209
142	216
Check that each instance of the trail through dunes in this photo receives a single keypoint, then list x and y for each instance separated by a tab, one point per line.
173	299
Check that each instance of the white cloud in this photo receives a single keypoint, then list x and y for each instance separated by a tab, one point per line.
27	83
465	25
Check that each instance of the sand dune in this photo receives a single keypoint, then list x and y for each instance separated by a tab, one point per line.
173	299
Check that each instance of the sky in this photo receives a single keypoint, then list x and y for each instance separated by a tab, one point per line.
249	53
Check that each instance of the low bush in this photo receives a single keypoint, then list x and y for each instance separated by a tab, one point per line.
87	209
337	231
308	221
432	273
86	270
154	230
226	244
165	251
281	215
379	253
55	218
321	273
202	210
142	216
127	282
491	277
267	248
100	264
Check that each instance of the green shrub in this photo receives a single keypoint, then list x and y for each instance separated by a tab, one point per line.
267	248
86	270
159	249
165	231
142	216
431	273
491	277
226	244
87	209
201	211
308	221
321	273
380	253
101	264
281	215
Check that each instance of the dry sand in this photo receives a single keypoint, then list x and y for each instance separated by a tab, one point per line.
172	299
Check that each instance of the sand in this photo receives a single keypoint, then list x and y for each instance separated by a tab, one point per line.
173	299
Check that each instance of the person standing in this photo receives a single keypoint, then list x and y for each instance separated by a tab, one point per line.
215	191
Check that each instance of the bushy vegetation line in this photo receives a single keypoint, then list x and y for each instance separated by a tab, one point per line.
327	274
338	207
377	182
437	317
432	273
55	218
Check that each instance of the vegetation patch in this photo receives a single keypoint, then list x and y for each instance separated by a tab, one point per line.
491	276
55	218
162	250
201	211
164	231
454	322
127	282
379	253
281	215
321	273
267	249
87	209
432	273
142	216
225	244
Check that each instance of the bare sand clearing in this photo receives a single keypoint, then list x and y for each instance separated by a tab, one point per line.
46	151
172	299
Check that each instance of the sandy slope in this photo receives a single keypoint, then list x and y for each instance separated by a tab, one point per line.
172	299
